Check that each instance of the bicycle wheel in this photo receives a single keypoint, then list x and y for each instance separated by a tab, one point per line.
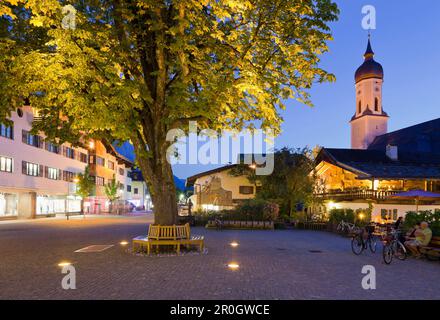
357	245
387	254
372	242
400	251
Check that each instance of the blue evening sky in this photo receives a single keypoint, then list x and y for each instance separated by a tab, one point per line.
406	43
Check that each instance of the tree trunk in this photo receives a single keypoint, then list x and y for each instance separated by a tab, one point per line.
159	177
164	200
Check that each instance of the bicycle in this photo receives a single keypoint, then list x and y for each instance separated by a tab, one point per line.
392	247
345	227
359	243
218	224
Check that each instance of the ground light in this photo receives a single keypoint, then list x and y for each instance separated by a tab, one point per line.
64	264
123	243
233	266
234	244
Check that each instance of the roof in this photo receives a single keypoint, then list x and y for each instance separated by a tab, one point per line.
111	149
374	164
191	180
422	138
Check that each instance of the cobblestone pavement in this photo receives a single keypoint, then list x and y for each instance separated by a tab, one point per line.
273	265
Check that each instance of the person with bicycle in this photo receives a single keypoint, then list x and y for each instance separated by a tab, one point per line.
423	237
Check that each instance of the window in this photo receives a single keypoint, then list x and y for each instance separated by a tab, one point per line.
100	161
111	165
135	190
99	181
7	132
360	107
5	164
83	157
258	189
128	188
52	147
390	214
32	139
246	189
376	104
68	176
31	169
121	171
52	173
69	152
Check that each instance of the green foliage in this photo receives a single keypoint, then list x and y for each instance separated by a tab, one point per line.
250	210
133	70
86	185
290	183
337	215
433	218
111	189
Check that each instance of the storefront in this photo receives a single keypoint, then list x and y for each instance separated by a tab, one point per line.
8	204
57	204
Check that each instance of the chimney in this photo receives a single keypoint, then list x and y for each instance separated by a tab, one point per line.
392	152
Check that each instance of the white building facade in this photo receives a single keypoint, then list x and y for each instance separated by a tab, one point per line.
36	176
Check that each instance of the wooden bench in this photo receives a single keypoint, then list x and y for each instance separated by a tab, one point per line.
432	250
168	235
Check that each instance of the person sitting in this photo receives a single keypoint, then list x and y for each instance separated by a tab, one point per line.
410	235
423	237
398	223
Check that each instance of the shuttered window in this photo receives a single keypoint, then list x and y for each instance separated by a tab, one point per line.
32	169
32	139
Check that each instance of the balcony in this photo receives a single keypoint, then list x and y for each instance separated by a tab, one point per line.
351	195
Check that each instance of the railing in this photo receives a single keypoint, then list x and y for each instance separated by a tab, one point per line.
357	195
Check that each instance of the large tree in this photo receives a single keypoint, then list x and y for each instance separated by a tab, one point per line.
134	69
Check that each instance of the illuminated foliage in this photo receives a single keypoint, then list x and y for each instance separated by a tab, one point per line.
134	69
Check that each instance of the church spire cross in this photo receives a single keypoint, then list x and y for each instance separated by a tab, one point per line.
369	52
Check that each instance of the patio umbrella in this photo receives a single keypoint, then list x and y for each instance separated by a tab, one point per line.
416	195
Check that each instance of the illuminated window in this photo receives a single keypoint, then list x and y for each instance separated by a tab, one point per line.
31	169
246	189
5	164
99	181
52	173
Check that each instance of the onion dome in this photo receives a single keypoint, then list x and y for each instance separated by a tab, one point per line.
370	68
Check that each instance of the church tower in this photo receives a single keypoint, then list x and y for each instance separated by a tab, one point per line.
369	120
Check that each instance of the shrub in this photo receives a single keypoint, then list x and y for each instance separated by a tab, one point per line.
433	218
271	211
337	215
